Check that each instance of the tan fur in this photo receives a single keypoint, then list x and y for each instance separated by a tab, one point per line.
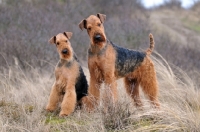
150	49
144	76
102	68
65	79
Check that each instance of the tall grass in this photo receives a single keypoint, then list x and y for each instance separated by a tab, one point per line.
27	66
23	96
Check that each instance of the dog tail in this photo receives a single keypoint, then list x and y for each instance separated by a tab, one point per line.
150	49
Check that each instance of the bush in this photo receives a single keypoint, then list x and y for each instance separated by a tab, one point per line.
26	27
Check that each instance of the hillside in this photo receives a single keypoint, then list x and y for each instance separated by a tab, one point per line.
178	35
182	25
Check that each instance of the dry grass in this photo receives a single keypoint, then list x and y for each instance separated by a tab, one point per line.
27	63
24	96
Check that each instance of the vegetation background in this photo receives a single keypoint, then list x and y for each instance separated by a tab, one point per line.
27	63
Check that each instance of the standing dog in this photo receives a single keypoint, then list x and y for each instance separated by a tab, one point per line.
108	62
70	79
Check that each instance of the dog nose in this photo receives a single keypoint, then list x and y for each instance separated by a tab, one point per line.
64	51
98	37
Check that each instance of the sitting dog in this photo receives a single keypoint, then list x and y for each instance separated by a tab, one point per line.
71	84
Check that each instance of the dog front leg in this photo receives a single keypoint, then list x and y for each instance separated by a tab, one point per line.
53	98
69	101
111	87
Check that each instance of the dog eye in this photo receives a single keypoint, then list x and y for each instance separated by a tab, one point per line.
89	28
58	43
99	24
66	41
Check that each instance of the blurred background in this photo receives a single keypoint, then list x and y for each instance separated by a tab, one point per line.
27	25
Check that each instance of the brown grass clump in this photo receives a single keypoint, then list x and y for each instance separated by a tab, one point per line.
24	96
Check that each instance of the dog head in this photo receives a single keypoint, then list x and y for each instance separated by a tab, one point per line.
63	45
95	29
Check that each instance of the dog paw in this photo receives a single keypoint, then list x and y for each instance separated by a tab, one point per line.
50	109
62	114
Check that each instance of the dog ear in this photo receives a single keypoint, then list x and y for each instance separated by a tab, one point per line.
83	24
102	17
68	34
52	40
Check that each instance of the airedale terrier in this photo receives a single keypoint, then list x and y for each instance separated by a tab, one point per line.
71	84
108	62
